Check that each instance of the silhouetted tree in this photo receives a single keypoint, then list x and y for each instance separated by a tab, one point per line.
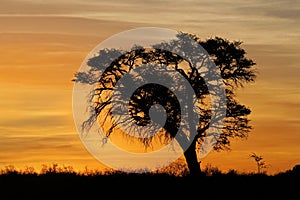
261	164
236	70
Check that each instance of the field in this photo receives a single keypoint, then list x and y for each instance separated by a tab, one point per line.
119	185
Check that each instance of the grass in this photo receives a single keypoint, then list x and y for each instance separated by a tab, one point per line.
62	182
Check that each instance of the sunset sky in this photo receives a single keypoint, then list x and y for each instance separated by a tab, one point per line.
43	43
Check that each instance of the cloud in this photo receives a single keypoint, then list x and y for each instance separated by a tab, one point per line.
36	121
42	149
255	21
38	142
288	9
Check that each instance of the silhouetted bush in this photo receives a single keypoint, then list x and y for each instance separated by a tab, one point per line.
57	181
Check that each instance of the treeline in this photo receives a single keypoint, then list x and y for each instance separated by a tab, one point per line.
177	169
63	182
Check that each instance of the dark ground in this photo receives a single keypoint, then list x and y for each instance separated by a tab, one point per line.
149	186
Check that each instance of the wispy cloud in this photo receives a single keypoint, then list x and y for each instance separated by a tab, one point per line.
43	43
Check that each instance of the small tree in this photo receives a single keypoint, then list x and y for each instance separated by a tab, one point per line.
261	164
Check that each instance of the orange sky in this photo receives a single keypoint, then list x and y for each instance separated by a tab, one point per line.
43	44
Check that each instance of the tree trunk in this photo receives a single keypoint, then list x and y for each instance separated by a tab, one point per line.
192	161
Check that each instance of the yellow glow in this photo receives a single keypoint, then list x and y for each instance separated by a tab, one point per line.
40	54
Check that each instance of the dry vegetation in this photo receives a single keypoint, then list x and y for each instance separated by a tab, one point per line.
60	181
